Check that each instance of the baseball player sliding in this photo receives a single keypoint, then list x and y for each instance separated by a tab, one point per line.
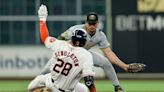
97	37
68	63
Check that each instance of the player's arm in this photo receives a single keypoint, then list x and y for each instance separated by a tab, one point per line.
63	36
104	46
89	82
60	37
43	31
50	42
114	59
43	13
66	35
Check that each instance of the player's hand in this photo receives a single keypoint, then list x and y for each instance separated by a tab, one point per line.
42	13
136	67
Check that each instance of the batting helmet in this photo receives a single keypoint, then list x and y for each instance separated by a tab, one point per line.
79	37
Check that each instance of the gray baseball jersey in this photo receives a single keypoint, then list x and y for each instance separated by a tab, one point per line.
68	64
98	39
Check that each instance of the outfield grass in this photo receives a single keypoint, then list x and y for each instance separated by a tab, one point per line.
102	85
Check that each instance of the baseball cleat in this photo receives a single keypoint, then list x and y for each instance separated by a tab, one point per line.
119	89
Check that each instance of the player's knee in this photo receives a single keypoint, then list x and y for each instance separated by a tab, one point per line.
35	82
30	87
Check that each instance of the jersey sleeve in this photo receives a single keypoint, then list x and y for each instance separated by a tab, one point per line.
52	42
88	68
103	41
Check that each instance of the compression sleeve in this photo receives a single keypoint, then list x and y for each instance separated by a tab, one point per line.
43	31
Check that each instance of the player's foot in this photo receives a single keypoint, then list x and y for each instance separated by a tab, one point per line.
119	89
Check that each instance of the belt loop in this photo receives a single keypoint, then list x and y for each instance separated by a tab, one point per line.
52	80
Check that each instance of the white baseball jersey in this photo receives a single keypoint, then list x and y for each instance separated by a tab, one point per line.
98	39
68	64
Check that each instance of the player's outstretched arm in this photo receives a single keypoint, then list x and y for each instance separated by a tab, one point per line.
114	59
42	14
132	67
43	31
60	37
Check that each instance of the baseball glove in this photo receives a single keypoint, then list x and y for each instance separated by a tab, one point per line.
136	67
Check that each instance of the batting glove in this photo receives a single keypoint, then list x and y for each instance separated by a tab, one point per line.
42	13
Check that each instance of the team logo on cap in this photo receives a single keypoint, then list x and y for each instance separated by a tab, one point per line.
92	17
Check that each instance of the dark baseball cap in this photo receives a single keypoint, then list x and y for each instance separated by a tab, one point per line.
92	18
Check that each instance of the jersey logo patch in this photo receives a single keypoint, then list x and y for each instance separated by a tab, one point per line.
52	39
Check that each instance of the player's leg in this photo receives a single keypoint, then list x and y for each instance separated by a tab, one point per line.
36	83
101	61
49	83
39	84
80	87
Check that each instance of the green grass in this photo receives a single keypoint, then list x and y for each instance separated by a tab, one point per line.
13	85
102	85
133	85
